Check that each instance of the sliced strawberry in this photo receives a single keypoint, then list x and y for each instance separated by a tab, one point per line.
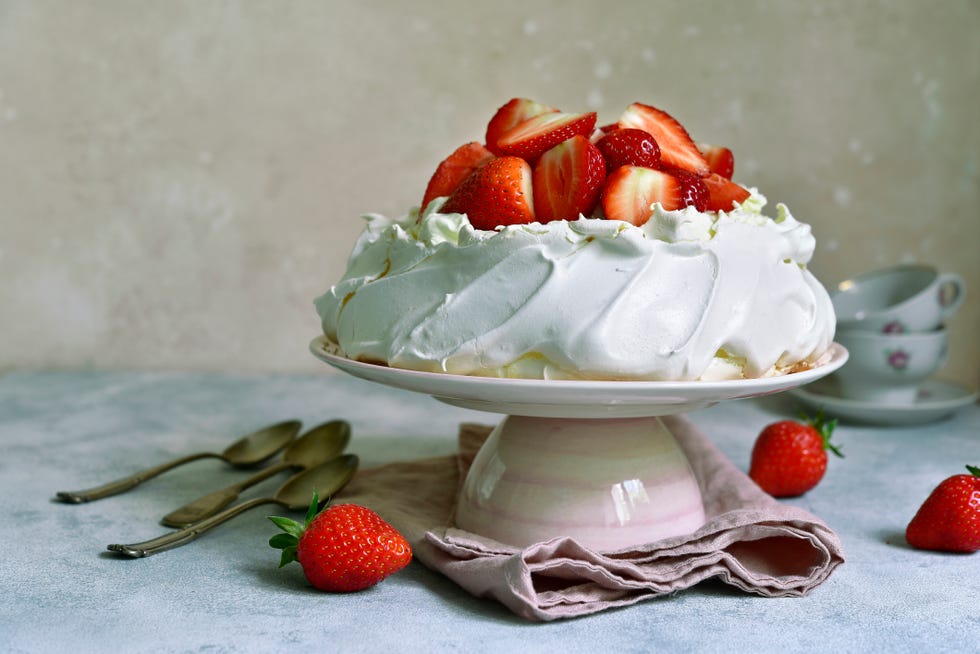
608	129
723	194
567	180
629	147
630	192
454	169
535	136
720	159
676	147
511	115
498	193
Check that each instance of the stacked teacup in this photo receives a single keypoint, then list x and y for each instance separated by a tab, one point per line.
892	322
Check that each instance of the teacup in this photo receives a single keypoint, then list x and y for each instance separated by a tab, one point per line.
906	298
889	368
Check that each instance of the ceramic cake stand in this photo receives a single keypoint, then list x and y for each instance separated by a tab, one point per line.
586	459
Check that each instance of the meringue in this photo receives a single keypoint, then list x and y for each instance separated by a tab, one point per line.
687	296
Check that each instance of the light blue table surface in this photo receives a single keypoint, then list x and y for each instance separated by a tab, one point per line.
223	593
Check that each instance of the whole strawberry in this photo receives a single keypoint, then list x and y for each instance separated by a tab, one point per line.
497	193
343	548
790	457
949	519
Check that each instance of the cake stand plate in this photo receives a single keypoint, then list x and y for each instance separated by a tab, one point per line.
587	459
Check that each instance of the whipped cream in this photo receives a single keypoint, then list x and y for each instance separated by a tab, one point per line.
689	295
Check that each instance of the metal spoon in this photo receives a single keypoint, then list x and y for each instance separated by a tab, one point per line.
248	451
317	446
327	479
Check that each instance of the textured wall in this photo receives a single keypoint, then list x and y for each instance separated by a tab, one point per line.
178	180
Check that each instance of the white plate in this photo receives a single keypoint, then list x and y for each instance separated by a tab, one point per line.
936	400
572	398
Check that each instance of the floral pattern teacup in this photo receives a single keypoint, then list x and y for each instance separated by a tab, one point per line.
889	368
906	298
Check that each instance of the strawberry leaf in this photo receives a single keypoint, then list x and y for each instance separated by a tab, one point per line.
282	541
288	541
288	556
314	508
288	525
974	470
825	428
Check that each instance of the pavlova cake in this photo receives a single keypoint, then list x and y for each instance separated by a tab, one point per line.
558	250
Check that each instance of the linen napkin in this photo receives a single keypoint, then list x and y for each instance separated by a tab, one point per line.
749	540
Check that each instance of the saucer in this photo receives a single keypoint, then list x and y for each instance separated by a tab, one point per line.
936	400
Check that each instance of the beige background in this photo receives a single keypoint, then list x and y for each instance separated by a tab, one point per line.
178	180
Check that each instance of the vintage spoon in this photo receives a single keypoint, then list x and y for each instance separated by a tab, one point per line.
295	494
316	446
250	450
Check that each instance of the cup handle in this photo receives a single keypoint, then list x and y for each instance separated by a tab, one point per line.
952	292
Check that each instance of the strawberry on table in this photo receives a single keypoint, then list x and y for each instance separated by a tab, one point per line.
630	192
789	457
629	147
498	193
343	548
535	136
454	169
949	519
720	159
723	194
677	150
510	115
567	180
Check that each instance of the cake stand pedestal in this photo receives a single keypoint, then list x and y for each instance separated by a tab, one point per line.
589	460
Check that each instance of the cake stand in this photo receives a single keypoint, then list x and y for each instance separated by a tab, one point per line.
590	460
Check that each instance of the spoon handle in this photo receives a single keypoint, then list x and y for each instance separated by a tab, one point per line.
186	535
207	505
126	483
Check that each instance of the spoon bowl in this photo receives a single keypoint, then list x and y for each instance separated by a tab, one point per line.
322	443
318	445
249	450
295	494
261	445
326	479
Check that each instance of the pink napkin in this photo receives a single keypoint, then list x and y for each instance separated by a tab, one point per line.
749	540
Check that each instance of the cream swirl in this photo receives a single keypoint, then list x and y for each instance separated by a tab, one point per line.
688	295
